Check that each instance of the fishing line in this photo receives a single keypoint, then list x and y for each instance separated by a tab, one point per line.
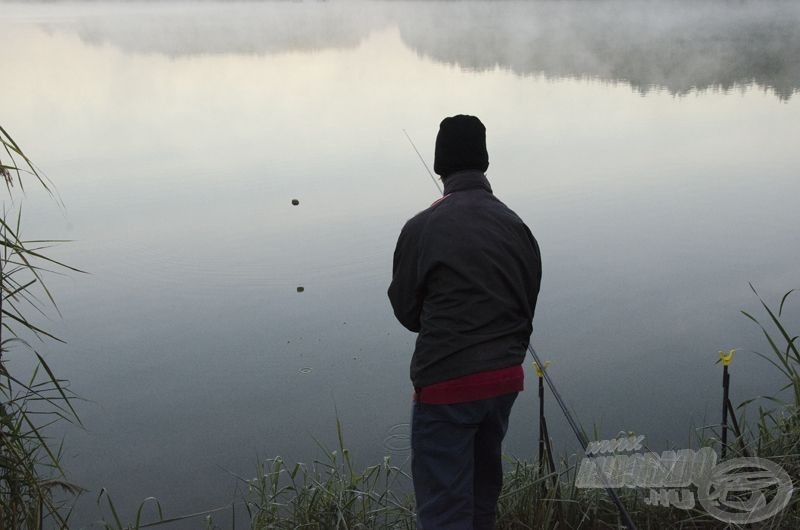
436	182
573	423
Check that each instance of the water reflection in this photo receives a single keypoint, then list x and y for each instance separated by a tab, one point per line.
647	45
178	135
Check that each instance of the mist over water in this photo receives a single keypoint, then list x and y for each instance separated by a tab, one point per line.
650	146
680	46
673	44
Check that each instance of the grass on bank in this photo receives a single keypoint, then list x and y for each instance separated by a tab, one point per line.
331	494
32	483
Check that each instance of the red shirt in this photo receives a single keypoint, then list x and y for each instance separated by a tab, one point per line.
472	387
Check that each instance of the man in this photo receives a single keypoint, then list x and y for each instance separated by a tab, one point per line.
466	278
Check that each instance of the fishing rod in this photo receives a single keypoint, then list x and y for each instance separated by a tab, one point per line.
579	433
435	182
573	423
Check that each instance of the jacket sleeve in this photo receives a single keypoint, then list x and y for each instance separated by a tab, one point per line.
405	291
535	281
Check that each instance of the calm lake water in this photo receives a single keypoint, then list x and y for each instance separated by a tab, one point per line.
651	148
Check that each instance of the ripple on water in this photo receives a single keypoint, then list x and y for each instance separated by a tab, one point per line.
399	438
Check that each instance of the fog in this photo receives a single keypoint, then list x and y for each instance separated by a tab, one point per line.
680	46
649	146
677	45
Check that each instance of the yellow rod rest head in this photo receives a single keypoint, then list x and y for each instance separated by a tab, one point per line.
539	370
726	358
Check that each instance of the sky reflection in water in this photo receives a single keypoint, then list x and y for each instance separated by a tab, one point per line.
178	154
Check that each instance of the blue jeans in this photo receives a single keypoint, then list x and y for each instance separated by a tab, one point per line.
455	462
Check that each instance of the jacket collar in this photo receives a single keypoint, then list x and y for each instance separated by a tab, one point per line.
466	180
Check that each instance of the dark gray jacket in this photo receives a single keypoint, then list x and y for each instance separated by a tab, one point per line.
466	277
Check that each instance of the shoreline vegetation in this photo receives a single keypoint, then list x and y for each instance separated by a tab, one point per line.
34	490
329	494
333	494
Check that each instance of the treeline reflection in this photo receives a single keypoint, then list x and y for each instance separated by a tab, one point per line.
679	46
673	45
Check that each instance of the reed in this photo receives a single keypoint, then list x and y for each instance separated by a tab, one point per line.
332	496
32	482
327	494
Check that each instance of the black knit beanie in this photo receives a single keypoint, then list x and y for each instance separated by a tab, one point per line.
460	144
